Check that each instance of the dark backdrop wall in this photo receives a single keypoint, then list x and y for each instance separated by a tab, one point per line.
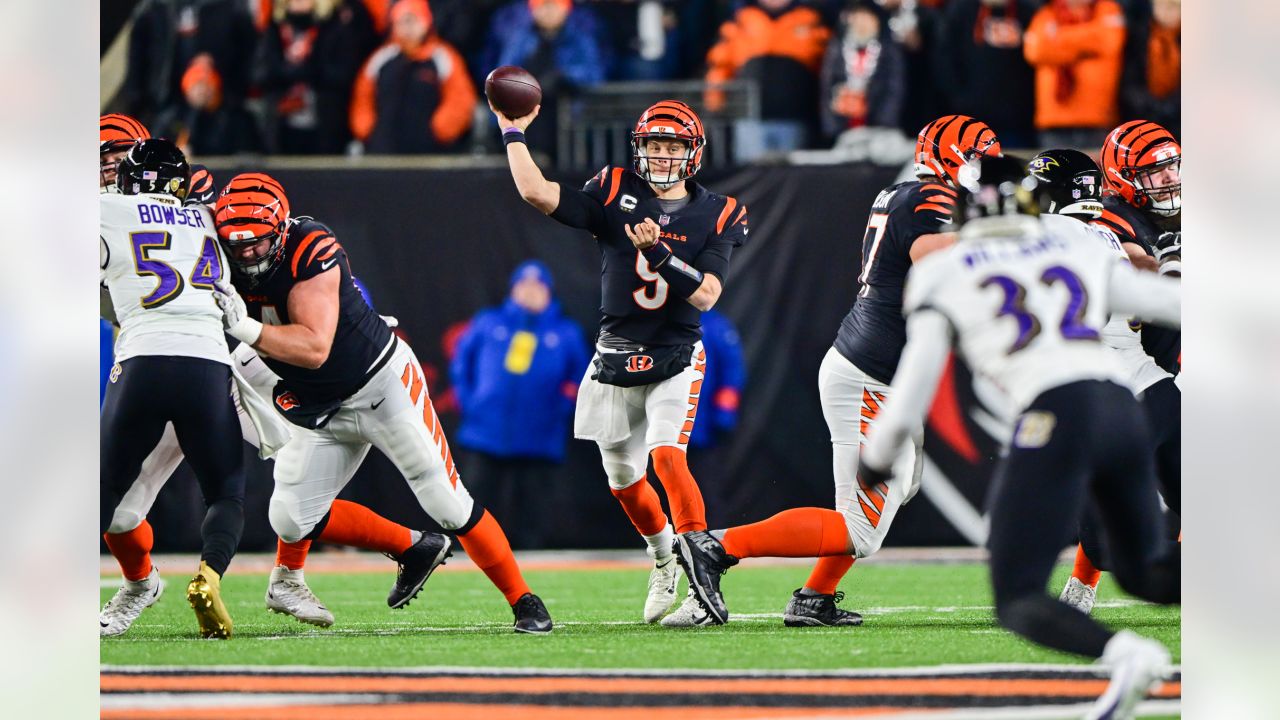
435	246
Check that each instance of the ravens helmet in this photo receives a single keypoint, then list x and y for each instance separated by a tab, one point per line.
1000	187
154	165
1071	183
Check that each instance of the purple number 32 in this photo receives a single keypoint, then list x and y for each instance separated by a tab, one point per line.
1071	327
207	270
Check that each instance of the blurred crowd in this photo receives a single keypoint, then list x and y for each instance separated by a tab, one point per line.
406	76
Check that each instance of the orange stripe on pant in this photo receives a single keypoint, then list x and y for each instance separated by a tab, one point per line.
412	379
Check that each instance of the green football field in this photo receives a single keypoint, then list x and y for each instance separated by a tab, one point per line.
919	614
452	652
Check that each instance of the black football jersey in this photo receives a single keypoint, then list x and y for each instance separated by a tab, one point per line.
635	302
874	332
1133	225
362	340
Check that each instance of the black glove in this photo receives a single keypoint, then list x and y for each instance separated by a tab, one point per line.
869	477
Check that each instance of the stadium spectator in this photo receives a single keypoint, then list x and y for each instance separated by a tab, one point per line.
648	35
915	25
1151	86
106	355
722	385
981	68
516	375
780	45
166	38
307	63
1076	48
560	43
210	124
414	94
864	73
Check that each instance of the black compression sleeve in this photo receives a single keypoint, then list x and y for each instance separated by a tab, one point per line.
578	209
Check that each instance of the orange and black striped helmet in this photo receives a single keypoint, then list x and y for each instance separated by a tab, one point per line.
670	120
1132	155
252	208
203	189
949	143
117	132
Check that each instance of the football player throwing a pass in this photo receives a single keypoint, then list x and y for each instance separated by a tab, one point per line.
665	244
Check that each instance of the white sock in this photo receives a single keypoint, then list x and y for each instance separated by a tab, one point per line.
660	544
718	535
287	574
415	536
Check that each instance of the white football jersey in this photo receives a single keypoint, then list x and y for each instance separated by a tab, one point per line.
159	262
1119	332
1027	305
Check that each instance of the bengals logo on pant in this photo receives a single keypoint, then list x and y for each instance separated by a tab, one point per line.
639	363
287	401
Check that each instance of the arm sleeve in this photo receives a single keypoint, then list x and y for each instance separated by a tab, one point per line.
584	209
731	229
1147	296
923	360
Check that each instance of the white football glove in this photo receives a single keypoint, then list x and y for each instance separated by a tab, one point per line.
235	315
390	320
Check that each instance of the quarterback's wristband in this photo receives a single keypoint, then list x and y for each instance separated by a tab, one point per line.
683	278
512	135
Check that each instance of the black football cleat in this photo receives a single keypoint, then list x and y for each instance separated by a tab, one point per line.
704	560
531	615
416	564
818	610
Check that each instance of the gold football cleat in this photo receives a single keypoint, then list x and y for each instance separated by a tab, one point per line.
206	599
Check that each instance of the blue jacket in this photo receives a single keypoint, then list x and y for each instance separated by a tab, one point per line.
106	356
516	376
579	52
722	386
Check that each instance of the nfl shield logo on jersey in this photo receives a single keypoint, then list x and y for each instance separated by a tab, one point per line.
663	219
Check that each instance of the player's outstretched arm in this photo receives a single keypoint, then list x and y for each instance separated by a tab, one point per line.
1147	296
923	360
534	188
307	340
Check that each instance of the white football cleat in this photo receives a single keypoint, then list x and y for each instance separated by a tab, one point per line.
1138	666
127	604
689	614
1079	596
288	594
662	589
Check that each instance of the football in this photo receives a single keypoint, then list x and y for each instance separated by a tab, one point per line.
513	91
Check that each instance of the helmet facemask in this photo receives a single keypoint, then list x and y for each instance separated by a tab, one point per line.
109	160
681	167
262	266
1154	183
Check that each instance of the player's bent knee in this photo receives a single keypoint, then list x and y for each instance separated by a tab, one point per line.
284	523
122	521
621	474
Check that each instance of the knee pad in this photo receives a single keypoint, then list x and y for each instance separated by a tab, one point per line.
620	469
284	523
122	521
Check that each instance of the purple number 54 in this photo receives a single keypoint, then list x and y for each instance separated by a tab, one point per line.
207	270
1072	325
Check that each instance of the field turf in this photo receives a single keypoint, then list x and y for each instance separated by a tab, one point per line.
916	614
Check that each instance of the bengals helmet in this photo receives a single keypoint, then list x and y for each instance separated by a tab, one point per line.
252	208
116	134
1072	183
669	120
950	143
1135	157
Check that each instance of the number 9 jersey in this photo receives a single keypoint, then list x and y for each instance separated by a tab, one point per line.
159	260
635	302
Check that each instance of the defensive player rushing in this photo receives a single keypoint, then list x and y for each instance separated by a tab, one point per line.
348	384
665	244
908	221
172	367
1072	187
1023	303
1141	169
